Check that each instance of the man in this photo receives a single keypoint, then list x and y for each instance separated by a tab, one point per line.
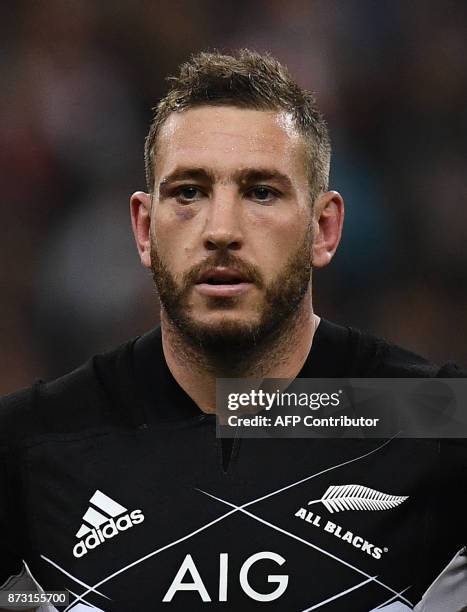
117	488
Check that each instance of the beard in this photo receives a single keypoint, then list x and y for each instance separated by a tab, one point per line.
229	340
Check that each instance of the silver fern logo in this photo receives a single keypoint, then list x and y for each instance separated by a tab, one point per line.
339	498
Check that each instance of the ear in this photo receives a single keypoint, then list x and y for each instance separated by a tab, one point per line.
328	218
140	209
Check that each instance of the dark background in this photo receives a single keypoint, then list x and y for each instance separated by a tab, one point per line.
78	82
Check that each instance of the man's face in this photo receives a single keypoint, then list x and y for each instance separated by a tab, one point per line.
231	223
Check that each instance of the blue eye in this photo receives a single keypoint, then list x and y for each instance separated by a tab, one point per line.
188	194
263	194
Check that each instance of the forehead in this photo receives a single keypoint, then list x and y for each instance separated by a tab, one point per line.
227	138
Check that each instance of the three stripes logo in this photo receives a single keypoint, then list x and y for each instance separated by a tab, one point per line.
103	520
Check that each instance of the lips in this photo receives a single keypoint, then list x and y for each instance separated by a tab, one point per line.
223	282
222	276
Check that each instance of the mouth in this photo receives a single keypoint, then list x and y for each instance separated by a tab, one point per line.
223	282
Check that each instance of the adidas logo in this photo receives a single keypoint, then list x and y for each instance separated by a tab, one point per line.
100	522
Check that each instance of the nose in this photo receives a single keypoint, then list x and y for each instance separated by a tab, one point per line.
223	224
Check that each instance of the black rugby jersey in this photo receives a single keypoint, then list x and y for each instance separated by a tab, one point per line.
115	488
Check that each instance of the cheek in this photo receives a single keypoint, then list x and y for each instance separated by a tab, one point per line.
276	239
173	236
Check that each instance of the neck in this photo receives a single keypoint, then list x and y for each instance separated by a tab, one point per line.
281	355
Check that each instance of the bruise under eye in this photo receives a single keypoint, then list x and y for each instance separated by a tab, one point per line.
184	213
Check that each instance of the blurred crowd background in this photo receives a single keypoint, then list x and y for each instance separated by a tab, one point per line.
79	79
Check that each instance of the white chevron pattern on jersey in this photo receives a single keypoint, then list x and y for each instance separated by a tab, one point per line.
95	518
83	608
80	607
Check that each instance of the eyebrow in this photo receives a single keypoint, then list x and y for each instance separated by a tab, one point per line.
243	175
187	173
257	175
